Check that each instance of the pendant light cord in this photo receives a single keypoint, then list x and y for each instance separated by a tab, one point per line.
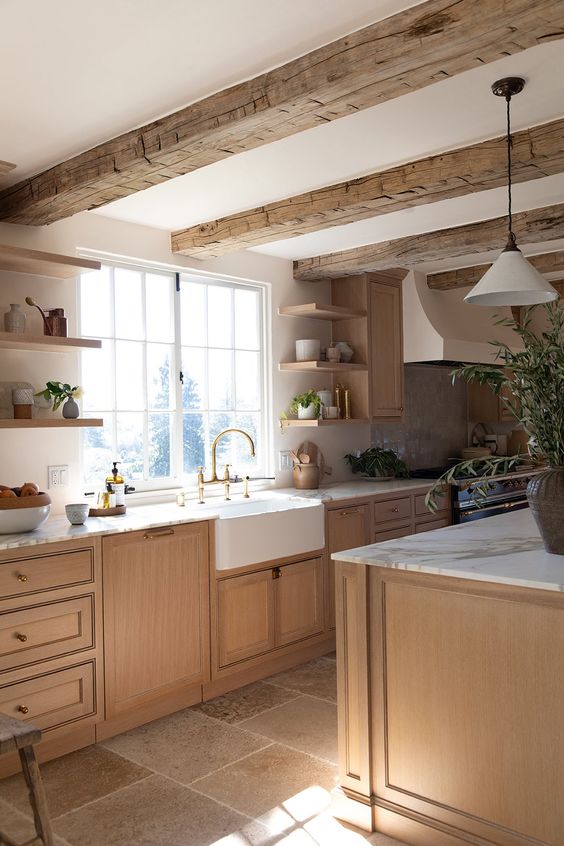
511	237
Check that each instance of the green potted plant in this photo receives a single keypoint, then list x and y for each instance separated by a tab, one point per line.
59	393
531	384
377	463
306	406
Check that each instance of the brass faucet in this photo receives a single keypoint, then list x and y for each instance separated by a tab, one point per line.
214	480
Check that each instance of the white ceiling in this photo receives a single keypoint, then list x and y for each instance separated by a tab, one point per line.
126	64
78	72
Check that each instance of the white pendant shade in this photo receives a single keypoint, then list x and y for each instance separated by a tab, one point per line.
511	281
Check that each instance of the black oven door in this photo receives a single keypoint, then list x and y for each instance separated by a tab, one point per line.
476	512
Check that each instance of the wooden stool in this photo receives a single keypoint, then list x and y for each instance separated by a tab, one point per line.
14	734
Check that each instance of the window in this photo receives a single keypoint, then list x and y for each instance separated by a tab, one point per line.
182	359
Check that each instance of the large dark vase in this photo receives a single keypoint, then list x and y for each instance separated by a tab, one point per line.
546	500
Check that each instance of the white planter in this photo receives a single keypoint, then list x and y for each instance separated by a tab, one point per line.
308	350
306	413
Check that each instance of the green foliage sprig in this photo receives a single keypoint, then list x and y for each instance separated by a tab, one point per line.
480	469
375	462
58	392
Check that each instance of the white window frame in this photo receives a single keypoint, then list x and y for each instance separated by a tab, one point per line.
177	479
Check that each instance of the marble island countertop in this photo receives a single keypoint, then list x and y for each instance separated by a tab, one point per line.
507	549
361	488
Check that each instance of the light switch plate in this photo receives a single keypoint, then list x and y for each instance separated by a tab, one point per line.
284	460
57	475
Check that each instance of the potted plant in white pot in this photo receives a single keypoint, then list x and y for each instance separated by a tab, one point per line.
533	379
306	406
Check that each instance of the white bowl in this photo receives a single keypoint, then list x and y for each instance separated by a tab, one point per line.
77	512
16	520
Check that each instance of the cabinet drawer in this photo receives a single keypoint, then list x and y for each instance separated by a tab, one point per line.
429	525
44	631
391	534
421	509
390	510
29	575
52	699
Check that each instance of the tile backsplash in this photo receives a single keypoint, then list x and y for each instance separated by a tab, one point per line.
435	424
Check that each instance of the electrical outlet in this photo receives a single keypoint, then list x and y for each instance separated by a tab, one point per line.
57	475
284	460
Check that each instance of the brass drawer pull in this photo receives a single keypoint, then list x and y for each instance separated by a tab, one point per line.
22	577
158	534
23	709
21	637
348	513
276	573
395	509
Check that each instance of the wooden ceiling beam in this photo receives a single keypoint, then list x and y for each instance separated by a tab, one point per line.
408	51
537	152
530	227
465	276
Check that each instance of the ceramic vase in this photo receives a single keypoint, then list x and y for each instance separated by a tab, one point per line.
71	409
14	320
545	494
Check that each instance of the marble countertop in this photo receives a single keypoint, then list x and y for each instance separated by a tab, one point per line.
505	549
138	517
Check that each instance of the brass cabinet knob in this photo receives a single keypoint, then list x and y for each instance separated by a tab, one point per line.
23	709
21	637
276	573
349	512
22	577
395	509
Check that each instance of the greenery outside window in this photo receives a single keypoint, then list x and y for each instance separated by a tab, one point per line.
183	357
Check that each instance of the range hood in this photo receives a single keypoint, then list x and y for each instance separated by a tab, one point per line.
439	327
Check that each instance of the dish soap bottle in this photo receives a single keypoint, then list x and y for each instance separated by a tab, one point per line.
116	483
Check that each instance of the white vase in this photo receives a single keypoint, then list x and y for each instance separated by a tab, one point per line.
306	413
14	320
71	409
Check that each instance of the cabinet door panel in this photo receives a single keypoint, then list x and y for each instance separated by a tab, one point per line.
299	601
245	616
346	529
155	613
386	359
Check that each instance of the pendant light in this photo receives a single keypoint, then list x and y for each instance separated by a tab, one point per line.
511	280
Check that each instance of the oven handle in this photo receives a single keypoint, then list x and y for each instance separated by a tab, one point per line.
513	504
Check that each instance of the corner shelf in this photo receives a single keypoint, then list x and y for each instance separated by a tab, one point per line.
46	343
39	263
321	422
321	366
321	311
52	423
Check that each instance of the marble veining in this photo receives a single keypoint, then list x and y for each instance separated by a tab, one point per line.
505	549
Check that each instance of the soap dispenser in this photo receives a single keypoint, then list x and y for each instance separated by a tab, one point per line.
116	483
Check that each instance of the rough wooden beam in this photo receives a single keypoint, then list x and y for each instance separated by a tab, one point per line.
465	276
531	226
405	52
537	152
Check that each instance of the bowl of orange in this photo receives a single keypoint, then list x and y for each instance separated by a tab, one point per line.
22	509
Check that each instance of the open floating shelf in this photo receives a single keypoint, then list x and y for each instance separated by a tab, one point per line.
319	366
46	343
39	263
321	311
321	422
52	423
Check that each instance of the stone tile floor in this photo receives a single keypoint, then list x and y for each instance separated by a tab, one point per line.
252	768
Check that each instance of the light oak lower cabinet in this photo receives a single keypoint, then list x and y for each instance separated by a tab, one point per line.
262	611
346	529
156	623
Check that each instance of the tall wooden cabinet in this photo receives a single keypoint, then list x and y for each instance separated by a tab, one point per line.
377	394
156	601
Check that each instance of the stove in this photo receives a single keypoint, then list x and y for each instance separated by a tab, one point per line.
499	494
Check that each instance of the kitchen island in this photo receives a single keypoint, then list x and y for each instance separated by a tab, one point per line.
451	691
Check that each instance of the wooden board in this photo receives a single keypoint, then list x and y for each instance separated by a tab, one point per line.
530	227
52	423
39	263
405	52
46	343
321	311
6	167
466	276
536	152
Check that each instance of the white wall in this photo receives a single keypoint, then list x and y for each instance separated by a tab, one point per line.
25	454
